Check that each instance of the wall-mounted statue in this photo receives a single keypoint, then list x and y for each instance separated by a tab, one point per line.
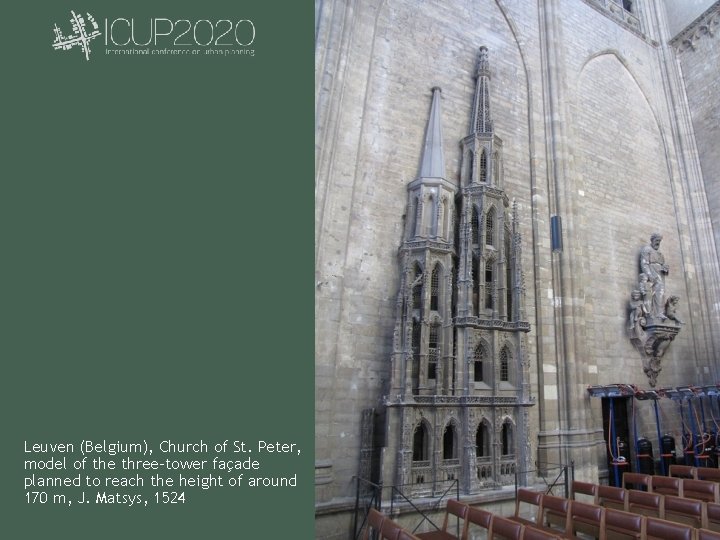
653	321
652	264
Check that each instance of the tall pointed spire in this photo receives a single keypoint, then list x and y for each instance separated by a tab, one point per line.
433	159
481	121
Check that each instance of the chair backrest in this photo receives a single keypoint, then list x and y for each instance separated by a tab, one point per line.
631	480
707	473
583	488
703	490
683	471
458	509
612	497
390	530
505	528
661	529
531	498
667	485
648	504
587	518
558	506
684	510
375	520
713	516
480	517
705	534
627	524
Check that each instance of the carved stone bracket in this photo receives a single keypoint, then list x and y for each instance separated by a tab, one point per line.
652	343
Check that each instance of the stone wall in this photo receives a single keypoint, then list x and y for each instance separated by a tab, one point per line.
698	51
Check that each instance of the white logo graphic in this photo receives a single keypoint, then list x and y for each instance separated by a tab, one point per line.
80	37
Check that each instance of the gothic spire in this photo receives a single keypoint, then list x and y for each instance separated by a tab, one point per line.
481	122
433	160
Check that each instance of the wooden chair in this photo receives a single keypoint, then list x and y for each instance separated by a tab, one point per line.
684	510
587	519
702	490
454	508
661	529
647	504
639	481
707	473
712	513
582	491
705	534
666	485
505	529
481	518
555	511
375	520
528	504
621	525
612	497
683	471
390	530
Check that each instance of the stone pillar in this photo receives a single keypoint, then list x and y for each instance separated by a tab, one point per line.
568	430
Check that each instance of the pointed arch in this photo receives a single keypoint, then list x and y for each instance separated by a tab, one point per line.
490	220
416	336
505	364
450	441
421	442
417	285
476	284
416	218
489	284
482	439
496	168
416	342
613	53
435	281
433	351
483	166
471	167
480	363
507	435
444	218
429	217
475	225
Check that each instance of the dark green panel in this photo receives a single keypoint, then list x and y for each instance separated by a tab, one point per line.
155	213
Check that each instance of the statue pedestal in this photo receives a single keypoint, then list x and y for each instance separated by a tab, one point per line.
651	341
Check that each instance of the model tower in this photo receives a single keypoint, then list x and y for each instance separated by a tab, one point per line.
456	410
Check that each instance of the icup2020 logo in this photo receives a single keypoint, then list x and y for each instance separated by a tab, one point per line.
159	36
80	36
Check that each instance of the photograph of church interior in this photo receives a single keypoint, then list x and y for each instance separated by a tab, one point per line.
517	288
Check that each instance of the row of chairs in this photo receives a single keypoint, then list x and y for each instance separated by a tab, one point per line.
570	517
472	520
692	511
696	473
680	486
552	518
382	527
